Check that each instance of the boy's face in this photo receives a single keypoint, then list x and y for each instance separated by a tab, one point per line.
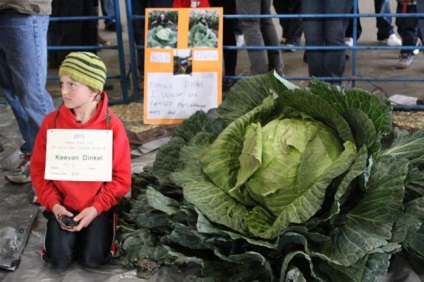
75	94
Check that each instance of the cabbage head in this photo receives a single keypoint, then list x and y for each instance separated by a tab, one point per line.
202	36
282	184
162	37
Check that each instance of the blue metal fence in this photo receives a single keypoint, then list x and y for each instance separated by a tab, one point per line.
351	75
119	47
131	81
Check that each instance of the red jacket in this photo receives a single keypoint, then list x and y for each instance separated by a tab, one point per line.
187	3
78	195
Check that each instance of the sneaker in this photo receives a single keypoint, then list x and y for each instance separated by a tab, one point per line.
240	42
290	50
349	41
392	40
419	43
21	174
405	60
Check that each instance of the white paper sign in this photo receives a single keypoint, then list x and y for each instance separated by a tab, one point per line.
79	155
208	55
179	96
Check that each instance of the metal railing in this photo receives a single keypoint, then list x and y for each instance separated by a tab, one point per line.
119	46
130	81
352	76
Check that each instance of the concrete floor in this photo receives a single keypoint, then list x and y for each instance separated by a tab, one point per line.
375	63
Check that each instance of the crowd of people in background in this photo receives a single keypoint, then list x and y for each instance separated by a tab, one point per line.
256	31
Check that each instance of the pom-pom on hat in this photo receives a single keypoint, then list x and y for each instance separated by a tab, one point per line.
85	67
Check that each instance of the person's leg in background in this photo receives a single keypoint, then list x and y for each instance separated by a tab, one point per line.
259	32
26	93
270	36
101	41
292	28
408	31
53	35
420	10
349	30
89	29
108	10
326	32
335	60
229	39
385	30
251	29
313	29
69	31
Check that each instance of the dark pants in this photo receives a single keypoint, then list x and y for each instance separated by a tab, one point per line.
91	246
229	31
349	29
292	28
326	32
71	33
407	27
384	24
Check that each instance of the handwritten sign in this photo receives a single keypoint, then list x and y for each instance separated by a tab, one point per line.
185	76
79	155
179	96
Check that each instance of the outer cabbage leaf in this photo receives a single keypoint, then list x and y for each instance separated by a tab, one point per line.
369	224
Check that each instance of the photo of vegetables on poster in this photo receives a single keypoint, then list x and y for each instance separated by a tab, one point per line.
183	63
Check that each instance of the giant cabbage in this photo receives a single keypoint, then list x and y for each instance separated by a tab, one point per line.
280	184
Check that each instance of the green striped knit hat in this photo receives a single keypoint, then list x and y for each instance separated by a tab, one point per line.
85	67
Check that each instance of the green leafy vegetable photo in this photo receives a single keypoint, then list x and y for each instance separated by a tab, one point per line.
280	184
162	37
202	36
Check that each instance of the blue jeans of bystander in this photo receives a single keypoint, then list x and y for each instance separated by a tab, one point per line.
23	71
326	32
384	24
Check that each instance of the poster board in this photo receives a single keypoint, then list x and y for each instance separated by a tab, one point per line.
183	63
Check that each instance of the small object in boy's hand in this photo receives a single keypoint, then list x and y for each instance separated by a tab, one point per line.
68	221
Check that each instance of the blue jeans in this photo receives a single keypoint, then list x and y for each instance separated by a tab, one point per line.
260	32
108	9
384	24
326	32
23	71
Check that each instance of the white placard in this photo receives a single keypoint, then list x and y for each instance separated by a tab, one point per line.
206	55
179	96
79	155
160	57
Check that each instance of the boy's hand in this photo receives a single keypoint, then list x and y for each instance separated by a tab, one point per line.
60	212
84	218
